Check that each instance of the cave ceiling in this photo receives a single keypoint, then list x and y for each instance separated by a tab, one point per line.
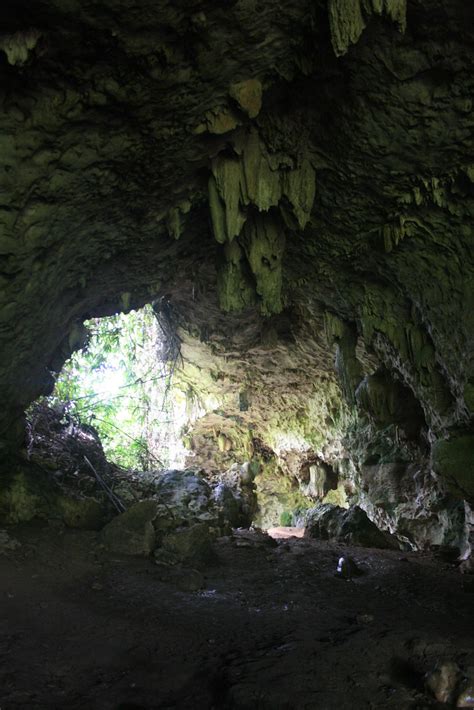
287	177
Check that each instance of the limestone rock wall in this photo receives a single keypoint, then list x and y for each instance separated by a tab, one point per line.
297	180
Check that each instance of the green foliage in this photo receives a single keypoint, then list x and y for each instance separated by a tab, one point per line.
120	385
286	519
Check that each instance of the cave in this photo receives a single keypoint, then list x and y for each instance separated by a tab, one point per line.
287	191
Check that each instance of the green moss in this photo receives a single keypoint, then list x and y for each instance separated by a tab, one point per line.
83	513
333	327
383	313
189	544
243	190
348	367
18	46
346	22
22	500
132	532
264	244
286	519
217	211
348	19
393	233
388	402
224	199
248	95
260	185
296	424
278	495
300	187
235	287
25	496
453	459
337	496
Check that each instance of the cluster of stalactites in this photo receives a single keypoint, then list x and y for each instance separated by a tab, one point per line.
254	199
349	18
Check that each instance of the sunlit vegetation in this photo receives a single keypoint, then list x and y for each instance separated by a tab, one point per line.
120	383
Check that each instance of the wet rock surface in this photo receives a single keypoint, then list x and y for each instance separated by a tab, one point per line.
352	526
259	627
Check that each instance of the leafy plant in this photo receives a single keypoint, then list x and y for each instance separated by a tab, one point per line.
120	384
286	519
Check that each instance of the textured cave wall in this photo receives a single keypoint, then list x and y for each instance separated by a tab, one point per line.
110	117
260	389
297	181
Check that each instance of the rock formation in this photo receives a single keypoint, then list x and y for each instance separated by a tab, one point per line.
293	187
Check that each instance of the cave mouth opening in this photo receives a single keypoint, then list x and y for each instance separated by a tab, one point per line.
119	386
125	412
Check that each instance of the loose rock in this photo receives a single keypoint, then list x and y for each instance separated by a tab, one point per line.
253	538
132	532
352	526
189	543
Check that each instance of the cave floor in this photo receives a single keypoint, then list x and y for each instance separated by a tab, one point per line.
272	628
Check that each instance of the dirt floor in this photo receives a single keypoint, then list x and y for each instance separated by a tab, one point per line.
273	628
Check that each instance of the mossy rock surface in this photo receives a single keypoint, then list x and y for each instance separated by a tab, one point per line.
24	498
183	496
351	526
453	459
29	495
132	532
82	513
190	544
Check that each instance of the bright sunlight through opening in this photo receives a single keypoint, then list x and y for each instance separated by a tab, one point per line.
122	384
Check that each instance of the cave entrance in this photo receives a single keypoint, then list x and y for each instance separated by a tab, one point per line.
120	385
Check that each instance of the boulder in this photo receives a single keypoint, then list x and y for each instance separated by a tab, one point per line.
351	526
235	496
253	538
409	501
132	532
232	508
189	544
183	497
